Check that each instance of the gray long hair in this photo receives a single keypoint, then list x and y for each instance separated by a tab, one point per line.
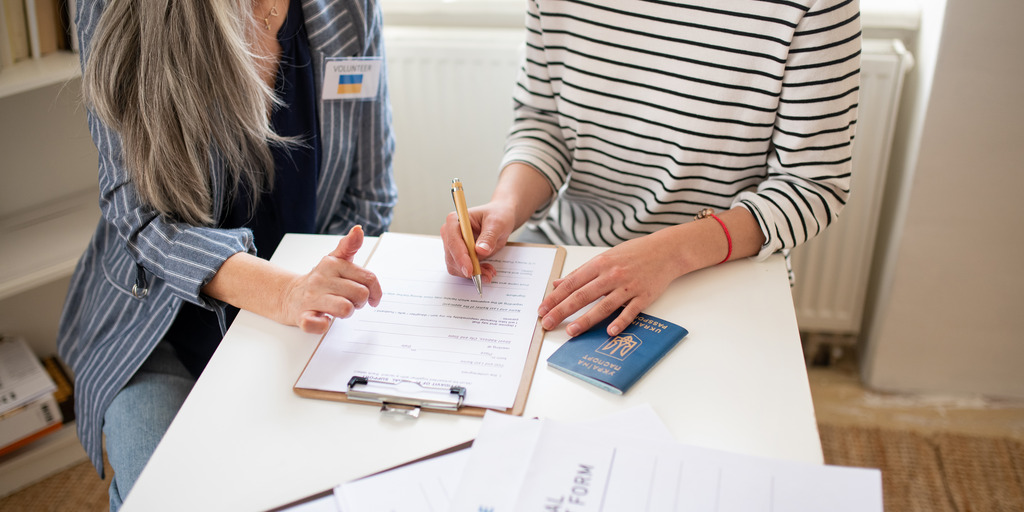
178	81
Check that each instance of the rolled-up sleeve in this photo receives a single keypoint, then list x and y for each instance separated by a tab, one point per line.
810	164
185	257
535	137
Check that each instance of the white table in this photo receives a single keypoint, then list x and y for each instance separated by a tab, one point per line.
244	441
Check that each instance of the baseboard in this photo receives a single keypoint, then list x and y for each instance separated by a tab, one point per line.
41	459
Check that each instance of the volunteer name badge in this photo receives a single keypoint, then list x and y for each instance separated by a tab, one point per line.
352	78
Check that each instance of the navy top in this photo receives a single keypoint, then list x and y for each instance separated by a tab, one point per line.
289	207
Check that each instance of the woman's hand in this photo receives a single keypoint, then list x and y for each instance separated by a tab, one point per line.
492	224
632	274
519	192
336	287
635	273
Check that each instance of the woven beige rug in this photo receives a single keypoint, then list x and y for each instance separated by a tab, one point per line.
77	488
939	472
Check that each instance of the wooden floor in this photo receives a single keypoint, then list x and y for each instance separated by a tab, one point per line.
841	399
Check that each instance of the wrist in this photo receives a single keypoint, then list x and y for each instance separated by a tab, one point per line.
286	287
693	245
507	208
256	285
521	191
708	213
670	250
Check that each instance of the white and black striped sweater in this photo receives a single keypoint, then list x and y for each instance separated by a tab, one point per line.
642	112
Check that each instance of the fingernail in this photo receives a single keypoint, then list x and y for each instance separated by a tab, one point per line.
572	330
543	310
465	272
547	323
483	246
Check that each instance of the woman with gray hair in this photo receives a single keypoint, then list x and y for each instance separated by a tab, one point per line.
220	126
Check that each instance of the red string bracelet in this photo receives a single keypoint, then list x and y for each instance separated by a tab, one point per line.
708	212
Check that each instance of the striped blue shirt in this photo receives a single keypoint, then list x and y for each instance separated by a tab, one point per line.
106	330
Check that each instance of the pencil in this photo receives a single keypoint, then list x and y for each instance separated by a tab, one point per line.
459	196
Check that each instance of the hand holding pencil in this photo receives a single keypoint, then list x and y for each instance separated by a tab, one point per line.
487	229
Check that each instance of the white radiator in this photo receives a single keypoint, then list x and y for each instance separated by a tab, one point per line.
832	269
451	94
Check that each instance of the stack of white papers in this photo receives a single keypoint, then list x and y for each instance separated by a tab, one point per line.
22	377
626	462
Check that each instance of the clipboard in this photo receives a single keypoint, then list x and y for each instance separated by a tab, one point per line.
409	398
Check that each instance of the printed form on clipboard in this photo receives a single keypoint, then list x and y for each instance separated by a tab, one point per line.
433	342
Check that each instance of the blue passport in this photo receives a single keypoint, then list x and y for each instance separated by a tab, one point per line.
615	363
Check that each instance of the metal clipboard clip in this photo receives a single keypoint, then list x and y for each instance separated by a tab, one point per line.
405	397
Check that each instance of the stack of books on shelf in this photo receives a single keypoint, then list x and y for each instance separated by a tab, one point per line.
32	29
32	396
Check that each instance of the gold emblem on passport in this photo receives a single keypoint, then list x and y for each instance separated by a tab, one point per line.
619	347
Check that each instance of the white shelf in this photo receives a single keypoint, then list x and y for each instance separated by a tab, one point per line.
35	73
44	244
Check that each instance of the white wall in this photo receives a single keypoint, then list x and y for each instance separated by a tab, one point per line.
948	302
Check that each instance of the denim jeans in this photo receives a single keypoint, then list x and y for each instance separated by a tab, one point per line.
140	414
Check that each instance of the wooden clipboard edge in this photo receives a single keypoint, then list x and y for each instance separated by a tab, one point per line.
533	356
526	380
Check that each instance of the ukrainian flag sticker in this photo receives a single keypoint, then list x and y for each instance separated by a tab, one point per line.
356	78
350	84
